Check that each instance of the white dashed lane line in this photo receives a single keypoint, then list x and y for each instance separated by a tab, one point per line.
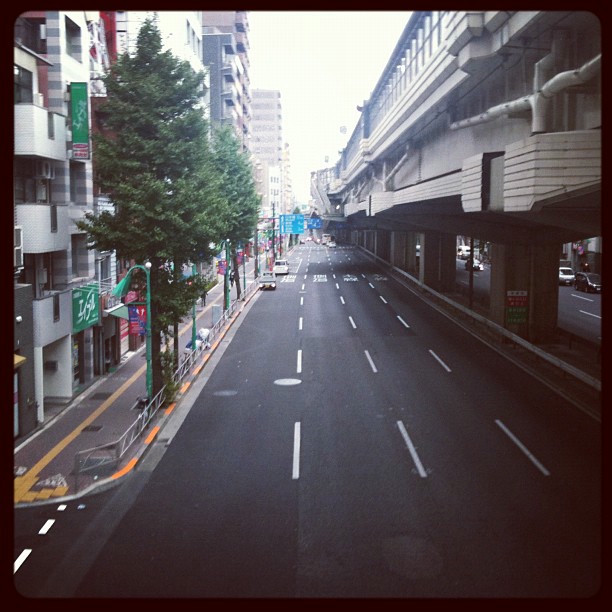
412	449
25	553
371	362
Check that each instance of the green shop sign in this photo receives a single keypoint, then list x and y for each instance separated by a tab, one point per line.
85	307
80	120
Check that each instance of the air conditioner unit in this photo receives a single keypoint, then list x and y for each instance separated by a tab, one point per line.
43	31
39	98
18	248
51	365
44	170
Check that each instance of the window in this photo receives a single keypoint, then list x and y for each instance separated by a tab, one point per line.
73	181
73	39
23	85
53	208
56	307
50	126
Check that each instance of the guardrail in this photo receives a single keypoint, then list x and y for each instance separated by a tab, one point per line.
107	455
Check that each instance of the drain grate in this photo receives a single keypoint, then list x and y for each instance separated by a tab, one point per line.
99	396
92	428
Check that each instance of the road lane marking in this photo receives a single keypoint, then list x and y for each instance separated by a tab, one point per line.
301	323
590	314
299	361
410	445
302	301
440	361
296	451
371	285
333	274
342	299
303	285
383	299
403	322
25	553
363	275
45	528
352	322
371	361
337	286
581	297
523	448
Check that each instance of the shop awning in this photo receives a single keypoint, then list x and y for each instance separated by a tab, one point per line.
19	360
117	311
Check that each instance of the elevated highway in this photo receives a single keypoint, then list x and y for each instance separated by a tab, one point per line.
484	125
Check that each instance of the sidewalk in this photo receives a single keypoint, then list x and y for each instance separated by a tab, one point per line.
44	461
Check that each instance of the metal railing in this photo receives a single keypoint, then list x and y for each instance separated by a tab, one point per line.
110	454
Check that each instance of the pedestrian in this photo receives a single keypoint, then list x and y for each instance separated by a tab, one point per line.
203	298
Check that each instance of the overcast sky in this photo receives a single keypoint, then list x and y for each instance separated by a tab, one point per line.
324	63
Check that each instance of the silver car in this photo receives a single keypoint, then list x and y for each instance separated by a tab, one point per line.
566	276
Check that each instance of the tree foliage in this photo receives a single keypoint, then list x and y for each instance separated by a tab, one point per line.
237	187
155	163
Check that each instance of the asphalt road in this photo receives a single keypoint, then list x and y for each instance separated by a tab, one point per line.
579	313
350	442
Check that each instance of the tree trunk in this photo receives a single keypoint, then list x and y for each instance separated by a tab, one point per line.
176	345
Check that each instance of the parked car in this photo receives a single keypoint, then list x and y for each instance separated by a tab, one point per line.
331	245
476	265
267	280
588	281
566	276
281	266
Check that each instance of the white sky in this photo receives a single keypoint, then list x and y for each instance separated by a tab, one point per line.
324	63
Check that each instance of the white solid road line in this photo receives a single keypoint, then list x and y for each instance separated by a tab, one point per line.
410	445
523	448
45	528
383	299
299	361
25	553
440	361
371	362
296	451
403	322
352	322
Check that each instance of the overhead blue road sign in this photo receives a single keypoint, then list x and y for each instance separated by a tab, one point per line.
292	224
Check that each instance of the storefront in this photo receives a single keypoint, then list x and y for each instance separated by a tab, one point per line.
85	315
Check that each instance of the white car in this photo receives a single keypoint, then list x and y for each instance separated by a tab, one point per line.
331	245
201	338
566	276
267	280
281	266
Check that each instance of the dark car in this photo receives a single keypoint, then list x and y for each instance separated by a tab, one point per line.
588	281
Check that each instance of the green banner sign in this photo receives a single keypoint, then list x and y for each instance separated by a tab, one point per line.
85	307
80	121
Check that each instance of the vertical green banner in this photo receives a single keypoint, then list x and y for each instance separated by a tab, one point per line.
80	121
85	307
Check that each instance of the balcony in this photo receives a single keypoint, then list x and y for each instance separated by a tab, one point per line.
36	221
32	133
47	327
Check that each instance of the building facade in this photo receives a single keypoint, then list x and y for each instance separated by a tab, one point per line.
52	189
226	57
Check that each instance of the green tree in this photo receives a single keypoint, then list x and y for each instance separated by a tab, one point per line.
153	159
235	173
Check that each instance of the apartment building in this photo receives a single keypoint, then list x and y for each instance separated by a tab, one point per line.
55	293
66	331
226	56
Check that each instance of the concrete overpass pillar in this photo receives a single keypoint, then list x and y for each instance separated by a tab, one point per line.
532	270
411	255
398	248
438	260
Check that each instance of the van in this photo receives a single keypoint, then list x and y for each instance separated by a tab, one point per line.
267	280
281	266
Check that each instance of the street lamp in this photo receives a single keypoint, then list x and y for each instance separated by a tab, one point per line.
120	290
